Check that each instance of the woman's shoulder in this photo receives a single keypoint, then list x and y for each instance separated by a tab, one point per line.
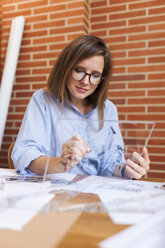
39	93
42	95
110	109
110	105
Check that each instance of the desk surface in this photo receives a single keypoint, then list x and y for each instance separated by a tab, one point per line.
87	230
90	228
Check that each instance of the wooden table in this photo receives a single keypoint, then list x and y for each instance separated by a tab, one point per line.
87	230
91	227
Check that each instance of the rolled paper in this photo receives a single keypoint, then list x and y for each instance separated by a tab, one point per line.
9	71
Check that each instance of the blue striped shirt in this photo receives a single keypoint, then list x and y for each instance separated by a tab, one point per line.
45	127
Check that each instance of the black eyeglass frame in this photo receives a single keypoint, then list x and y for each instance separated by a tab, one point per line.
88	74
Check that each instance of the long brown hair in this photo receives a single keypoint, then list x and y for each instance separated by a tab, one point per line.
77	50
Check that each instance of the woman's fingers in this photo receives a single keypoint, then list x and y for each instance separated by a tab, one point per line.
138	168
73	151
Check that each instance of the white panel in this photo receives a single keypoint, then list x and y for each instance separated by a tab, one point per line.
10	66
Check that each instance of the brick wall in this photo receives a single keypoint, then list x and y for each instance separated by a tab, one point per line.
135	33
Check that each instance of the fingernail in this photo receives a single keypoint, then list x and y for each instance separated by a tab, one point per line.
89	149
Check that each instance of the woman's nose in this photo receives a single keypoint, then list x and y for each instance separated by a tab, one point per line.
86	79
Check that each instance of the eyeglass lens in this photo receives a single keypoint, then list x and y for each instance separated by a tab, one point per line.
78	75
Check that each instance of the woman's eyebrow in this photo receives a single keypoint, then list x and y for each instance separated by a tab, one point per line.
84	68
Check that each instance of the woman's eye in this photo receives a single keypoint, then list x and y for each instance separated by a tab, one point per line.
78	70
95	75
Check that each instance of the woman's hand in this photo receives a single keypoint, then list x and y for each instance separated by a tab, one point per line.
73	150
134	169
139	167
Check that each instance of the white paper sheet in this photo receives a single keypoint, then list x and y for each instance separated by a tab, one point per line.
127	201
22	197
18	215
148	234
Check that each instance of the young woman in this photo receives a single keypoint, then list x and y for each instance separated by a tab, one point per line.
69	124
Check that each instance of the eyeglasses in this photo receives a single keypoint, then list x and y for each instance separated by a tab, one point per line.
78	74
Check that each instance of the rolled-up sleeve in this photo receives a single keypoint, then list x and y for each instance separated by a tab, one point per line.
34	132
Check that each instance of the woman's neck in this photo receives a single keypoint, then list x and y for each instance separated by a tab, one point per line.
83	106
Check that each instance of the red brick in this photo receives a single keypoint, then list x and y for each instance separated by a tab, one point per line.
33	49
157	11
107	10
144	101
102	18
146	68
108	25
146	52
41	71
158	150
157	158
115	40
128	61
76	4
128	46
146	117
119	70
39	86
128	30
98	4
156	27
24	94
156	43
156	76
45	55
31	64
160	59
158	134
31	79
146	85
128	14
52	8
66	29
49	39
76	20
146	4
67	13
9	8
156	142
49	24
57	46
118	102
125	93
118	54
146	36
116	86
22	72
160	92
126	109
17	13
21	87
128	78
32	4
38	18
157	166
156	109
146	20
119	1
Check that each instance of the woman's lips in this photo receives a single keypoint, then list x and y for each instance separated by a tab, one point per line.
82	90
